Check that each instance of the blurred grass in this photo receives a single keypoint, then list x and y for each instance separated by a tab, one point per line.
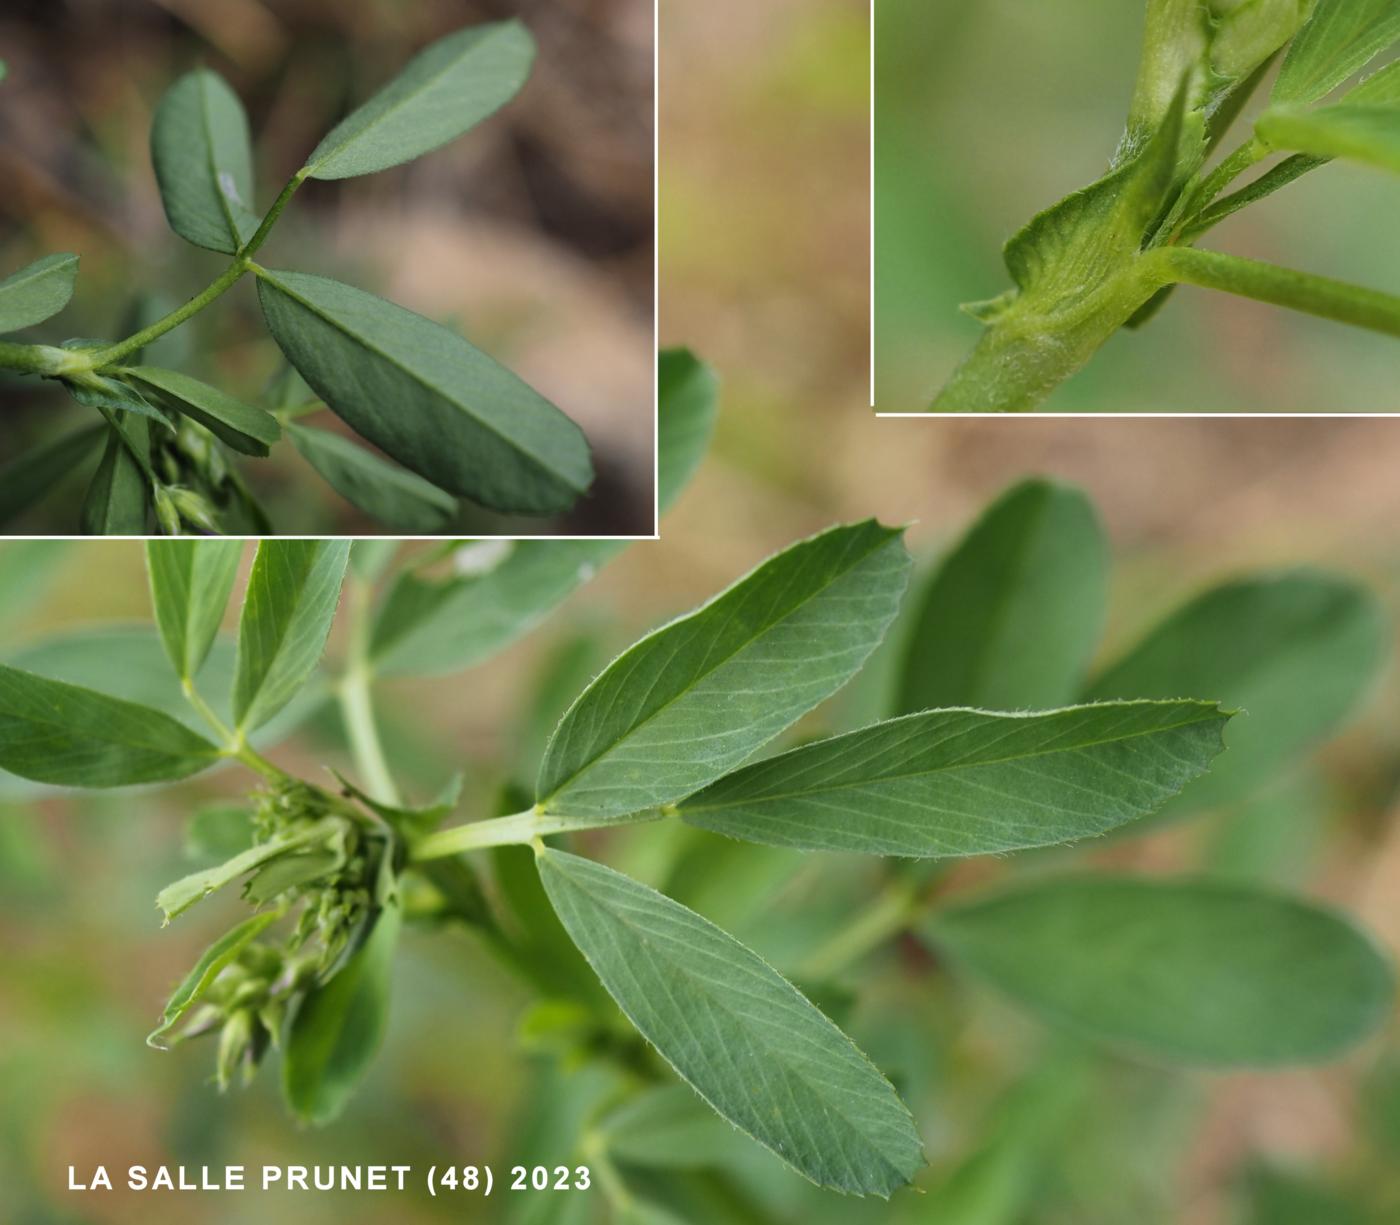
988	112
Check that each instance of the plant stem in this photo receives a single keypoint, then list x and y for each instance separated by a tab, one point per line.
520	828
1266	184
113	354
242	262
1300	291
1023	356
892	912
264	229
235	746
240	750
355	695
39	359
357	711
1251	153
205	711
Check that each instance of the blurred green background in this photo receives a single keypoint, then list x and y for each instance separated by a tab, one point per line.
533	234
988	111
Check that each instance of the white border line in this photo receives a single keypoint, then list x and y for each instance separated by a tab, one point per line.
872	208
1121	416
656	276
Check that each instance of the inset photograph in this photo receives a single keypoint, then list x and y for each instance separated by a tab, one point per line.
309	269
1207	232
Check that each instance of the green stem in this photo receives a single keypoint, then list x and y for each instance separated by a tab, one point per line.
241	751
357	711
518	829
205	711
39	359
610	1182
1246	156
1266	184
113	354
356	697
231	275
263	230
1300	291
1025	354
893	911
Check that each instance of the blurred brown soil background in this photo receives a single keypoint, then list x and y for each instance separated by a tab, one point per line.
533	233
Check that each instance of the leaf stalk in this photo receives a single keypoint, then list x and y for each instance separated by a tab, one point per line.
519	829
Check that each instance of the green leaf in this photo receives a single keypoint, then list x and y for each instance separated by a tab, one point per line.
1295	651
129	662
669	1127
118	499
1250	33
53	732
423	395
191	581
1010	619
430	627
1368	134
1073	248
965	782
687	403
391	495
410	821
1190	971
27	478
245	428
37	292
1339	40
1381	88
737	1032
338	1027
204	162
99	391
692	700
538	938
287	614
223	952
180	895
446	89
1288	171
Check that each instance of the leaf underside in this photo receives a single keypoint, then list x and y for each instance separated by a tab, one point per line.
203	162
1010	619
392	495
293	592
742	1036
54	732
967	782
37	292
426	397
1193	971
447	88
